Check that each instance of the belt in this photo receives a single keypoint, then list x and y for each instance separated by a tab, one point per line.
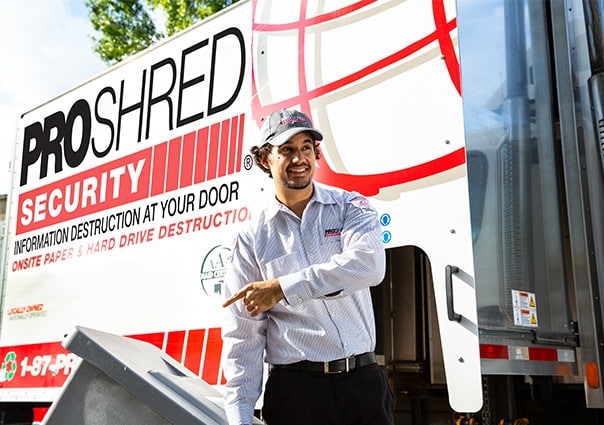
335	366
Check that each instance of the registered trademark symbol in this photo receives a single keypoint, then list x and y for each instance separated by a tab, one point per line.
248	162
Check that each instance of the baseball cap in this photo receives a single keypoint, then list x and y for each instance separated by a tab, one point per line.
282	125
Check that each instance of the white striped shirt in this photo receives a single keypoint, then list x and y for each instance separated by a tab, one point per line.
325	263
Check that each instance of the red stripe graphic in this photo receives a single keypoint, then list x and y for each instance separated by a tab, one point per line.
192	360
156	339
211	362
201	156
159	169
187	164
212	158
175	345
175	147
236	147
224	147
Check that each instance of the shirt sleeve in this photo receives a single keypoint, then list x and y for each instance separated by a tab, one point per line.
360	264
244	340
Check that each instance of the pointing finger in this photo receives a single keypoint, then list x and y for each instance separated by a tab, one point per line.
236	296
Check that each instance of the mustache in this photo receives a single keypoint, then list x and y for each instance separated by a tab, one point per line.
303	163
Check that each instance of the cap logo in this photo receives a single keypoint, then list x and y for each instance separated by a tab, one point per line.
294	120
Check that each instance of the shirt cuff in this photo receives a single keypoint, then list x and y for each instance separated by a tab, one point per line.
294	291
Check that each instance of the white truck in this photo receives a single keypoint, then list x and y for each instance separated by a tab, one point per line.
475	128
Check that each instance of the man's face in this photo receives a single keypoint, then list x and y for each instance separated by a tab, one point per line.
292	164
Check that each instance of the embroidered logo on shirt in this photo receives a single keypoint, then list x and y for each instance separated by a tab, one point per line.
332	232
361	202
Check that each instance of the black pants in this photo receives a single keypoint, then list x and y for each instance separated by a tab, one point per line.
359	397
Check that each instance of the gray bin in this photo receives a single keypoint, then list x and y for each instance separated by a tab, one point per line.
121	380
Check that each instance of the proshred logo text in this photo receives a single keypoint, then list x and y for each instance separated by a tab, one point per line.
172	92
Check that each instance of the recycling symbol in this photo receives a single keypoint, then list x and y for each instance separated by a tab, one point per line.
9	367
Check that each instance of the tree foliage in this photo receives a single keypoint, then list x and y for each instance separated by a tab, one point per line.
128	26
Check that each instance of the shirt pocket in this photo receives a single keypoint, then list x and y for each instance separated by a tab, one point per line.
286	264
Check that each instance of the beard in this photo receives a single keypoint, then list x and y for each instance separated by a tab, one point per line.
297	185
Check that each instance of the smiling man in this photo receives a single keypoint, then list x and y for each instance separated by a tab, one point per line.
298	295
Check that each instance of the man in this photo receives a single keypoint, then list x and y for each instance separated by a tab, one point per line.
298	293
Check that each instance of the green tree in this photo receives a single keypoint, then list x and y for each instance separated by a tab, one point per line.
127	26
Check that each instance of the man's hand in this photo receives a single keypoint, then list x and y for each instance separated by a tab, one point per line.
258	297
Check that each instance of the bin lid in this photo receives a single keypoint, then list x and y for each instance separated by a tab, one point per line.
150	375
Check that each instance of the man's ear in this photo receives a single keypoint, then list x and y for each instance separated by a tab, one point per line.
264	161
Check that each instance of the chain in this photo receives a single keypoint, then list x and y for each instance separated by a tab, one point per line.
486	407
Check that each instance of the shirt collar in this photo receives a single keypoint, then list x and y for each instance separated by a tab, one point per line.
320	195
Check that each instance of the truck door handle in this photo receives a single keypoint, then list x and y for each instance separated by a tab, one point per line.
449	270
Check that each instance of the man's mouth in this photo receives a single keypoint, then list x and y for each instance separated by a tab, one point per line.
298	170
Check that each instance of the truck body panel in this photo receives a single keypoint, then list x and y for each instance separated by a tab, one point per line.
128	190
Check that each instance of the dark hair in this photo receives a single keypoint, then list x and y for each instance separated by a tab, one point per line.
261	152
